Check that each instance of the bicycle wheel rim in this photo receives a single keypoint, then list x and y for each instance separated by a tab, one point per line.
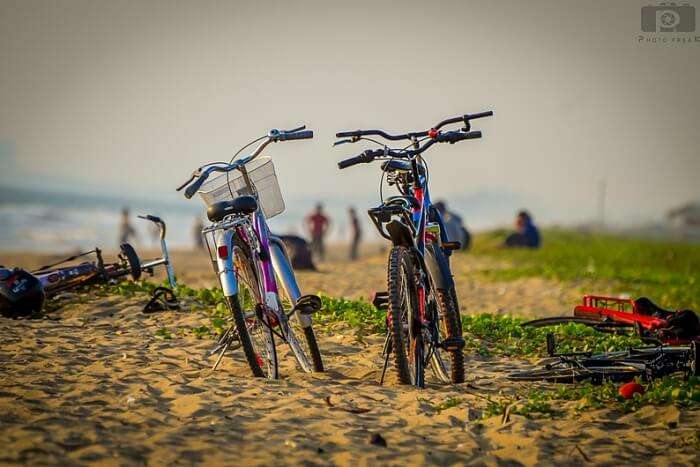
602	326
308	358
291	330
575	375
442	367
257	324
413	340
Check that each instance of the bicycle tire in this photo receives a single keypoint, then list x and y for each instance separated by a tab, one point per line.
574	375
239	320
452	322
132	259
556	320
399	289
312	348
263	362
308	331
311	341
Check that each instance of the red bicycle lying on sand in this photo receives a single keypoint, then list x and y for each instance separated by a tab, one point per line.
618	315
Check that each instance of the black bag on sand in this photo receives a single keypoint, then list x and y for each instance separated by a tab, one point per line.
21	293
299	252
683	324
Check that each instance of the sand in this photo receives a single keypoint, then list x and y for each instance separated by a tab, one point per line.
94	384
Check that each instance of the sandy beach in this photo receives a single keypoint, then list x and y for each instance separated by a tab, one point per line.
95	384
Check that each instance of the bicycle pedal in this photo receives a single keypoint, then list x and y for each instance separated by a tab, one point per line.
381	300
308	305
452	343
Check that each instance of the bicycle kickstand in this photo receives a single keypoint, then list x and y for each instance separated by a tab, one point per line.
221	355
386	352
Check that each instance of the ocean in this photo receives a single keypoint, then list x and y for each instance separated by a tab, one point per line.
34	220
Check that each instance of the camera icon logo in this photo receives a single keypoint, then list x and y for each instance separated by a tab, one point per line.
668	17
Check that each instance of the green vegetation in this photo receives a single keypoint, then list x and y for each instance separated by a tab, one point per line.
587	396
667	272
210	301
448	403
357	313
502	335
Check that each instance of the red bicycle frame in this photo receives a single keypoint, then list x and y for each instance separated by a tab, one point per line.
620	310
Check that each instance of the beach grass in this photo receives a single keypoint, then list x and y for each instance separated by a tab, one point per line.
667	272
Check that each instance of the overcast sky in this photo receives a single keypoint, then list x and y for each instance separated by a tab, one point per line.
129	97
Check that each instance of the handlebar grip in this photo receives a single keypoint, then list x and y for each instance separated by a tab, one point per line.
488	113
192	189
348	134
472	135
365	158
185	184
308	134
344	164
455	136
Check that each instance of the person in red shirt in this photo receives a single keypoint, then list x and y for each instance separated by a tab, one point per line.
318	223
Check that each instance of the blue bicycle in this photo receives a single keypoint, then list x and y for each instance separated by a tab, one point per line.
423	319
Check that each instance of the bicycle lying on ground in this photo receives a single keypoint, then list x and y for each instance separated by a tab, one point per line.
646	363
621	315
247	259
55	280
422	311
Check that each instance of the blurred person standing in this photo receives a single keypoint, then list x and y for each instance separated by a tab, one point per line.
526	235
317	223
126	230
355	232
197	237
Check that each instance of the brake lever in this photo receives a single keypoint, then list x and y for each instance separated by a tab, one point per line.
187	182
303	127
342	141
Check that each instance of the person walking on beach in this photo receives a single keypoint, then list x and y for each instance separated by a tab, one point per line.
526	235
317	224
355	232
197	236
126	230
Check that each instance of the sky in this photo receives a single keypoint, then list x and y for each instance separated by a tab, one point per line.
118	97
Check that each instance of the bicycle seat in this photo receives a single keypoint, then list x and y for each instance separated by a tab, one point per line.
647	307
406	202
396	165
240	205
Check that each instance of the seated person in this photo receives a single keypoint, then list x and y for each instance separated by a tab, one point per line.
527	235
454	226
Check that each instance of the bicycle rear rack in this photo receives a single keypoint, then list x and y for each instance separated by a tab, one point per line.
382	215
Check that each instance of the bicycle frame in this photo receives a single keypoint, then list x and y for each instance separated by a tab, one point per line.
164	260
271	260
420	236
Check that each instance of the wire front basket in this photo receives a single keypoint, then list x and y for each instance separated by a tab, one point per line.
264	187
